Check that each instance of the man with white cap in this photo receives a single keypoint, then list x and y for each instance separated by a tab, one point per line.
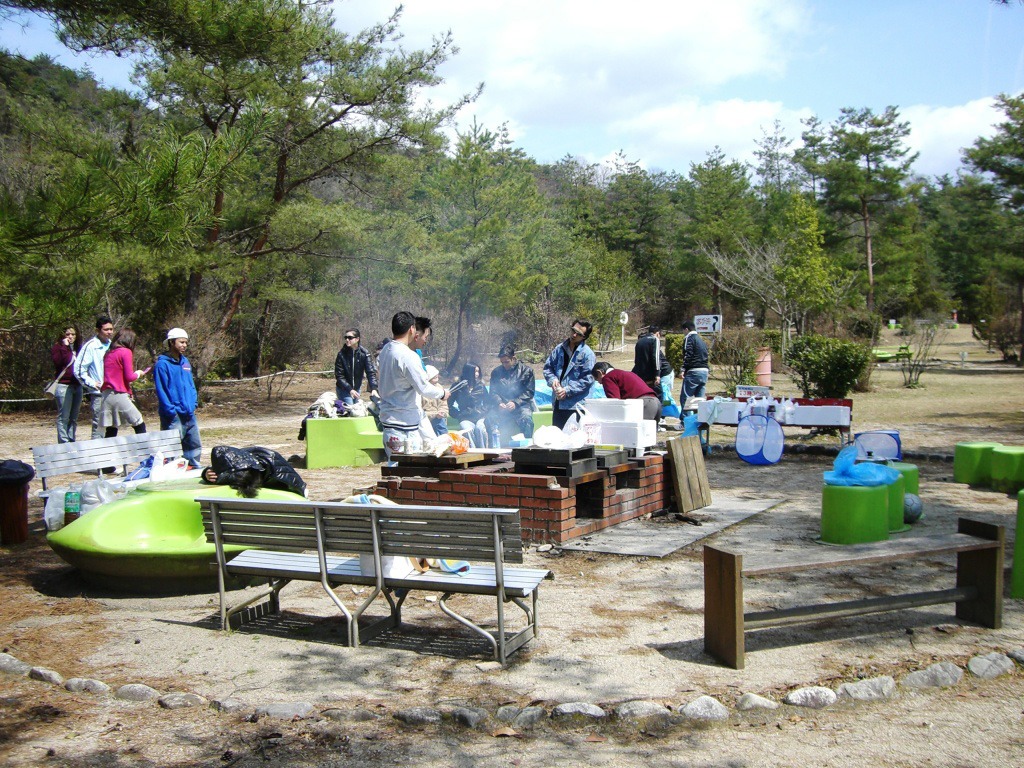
176	395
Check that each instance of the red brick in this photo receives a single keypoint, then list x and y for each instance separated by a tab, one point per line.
506	479
536	481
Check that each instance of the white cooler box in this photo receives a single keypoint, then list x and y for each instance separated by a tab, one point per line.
630	434
820	416
608	409
728	411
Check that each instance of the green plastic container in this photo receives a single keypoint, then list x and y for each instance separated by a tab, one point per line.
1017	575
911	476
855	514
896	491
972	463
1007	468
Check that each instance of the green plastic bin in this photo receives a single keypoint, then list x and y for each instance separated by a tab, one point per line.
911	476
972	463
855	514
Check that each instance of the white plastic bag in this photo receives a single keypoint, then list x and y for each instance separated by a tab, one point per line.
582	421
53	512
549	437
95	493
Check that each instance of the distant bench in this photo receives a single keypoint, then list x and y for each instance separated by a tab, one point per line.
94	455
978	593
303	540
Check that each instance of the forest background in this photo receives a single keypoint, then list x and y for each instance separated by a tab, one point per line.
282	179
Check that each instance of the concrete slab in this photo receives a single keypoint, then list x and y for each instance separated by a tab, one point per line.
651	539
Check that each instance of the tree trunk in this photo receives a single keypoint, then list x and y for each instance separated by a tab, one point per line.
866	217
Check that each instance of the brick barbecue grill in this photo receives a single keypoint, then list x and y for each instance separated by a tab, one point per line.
555	506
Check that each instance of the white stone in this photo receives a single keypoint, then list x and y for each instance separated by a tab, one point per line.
706	708
87	685
873	689
581	708
813	697
286	710
941	675
46	675
136	692
181	700
990	666
638	710
750	701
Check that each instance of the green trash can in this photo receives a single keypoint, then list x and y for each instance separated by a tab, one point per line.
1007	468
855	514
1017	574
911	476
972	463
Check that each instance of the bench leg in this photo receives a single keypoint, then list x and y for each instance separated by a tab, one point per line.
723	606
270	592
982	570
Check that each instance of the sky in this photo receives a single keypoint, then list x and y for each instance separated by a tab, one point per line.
666	81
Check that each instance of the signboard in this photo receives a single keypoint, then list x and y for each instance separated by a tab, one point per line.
707	323
744	390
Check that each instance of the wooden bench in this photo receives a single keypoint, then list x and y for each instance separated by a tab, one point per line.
93	455
978	593
322	541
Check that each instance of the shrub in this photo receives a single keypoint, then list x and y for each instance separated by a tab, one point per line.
733	356
827	367
674	350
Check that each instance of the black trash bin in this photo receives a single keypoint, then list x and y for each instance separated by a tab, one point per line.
14	479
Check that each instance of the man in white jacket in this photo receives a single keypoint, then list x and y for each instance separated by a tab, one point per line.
88	369
401	377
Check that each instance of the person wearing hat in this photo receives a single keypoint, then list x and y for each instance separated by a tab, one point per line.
512	389
435	411
176	395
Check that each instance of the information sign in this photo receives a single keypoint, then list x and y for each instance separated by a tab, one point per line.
707	323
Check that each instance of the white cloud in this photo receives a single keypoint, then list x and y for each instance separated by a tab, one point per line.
939	133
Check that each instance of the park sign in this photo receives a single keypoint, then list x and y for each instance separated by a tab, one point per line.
707	323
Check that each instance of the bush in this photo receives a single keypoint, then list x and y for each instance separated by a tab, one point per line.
674	350
732	355
827	367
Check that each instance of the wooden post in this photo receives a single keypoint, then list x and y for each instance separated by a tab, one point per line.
723	606
983	570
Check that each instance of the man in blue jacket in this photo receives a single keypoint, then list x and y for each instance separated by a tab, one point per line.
568	372
176	395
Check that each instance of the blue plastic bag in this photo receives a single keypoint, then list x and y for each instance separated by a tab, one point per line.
846	471
690	425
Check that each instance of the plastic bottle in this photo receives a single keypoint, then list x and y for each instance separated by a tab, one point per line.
72	505
156	472
495	437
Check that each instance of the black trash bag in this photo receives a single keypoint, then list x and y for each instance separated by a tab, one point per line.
14	472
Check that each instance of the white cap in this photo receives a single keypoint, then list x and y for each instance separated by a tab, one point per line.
177	333
431	372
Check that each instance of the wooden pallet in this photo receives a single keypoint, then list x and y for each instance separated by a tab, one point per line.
446	462
690	475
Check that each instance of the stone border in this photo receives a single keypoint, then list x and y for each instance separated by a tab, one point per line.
703	710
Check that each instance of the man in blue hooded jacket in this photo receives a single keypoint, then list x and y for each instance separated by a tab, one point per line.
176	395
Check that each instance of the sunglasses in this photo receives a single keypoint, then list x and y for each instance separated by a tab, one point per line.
349	338
574	332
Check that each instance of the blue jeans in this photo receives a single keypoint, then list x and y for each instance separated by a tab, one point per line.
694	384
69	401
476	432
345	396
188	428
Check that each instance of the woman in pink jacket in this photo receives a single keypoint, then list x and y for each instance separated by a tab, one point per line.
118	404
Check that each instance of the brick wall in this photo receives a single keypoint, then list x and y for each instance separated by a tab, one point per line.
551	509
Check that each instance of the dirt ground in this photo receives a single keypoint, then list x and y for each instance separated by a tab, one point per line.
612	629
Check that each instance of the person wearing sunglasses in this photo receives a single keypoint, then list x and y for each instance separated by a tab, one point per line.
568	371
350	366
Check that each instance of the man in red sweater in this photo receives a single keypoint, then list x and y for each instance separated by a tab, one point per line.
623	385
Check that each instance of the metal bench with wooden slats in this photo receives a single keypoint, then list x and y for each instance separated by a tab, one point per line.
321	541
978	593
94	455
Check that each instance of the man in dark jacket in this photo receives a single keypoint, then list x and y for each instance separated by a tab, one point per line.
249	469
512	388
352	363
695	364
647	359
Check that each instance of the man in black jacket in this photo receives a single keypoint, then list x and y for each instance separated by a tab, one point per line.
695	364
512	389
352	363
647	359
